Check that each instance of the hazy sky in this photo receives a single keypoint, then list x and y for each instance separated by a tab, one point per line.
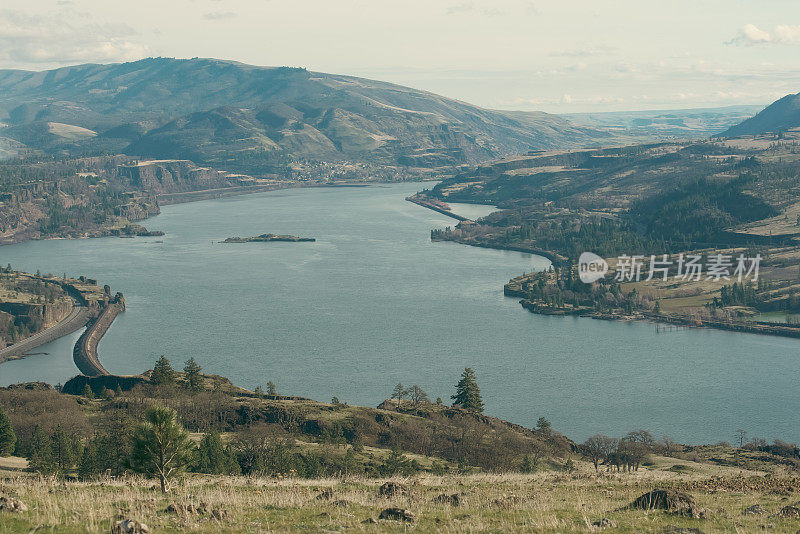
559	56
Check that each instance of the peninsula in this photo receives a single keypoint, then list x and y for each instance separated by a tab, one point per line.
720	198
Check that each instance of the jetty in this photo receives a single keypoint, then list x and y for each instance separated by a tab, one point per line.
85	351
435	205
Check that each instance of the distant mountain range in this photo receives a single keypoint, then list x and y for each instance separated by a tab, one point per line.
685	123
214	111
253	118
780	116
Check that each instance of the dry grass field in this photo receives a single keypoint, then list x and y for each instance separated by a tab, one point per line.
541	502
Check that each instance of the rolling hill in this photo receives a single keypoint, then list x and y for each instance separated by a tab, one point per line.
778	117
213	110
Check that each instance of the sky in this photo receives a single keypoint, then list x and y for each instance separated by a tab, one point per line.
558	56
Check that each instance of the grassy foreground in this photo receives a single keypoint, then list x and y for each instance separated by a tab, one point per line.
542	502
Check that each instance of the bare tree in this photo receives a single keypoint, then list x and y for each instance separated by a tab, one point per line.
399	392
741	436
599	447
418	395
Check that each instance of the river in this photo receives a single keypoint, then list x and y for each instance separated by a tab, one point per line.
373	302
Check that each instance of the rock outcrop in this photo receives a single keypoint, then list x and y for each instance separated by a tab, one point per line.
170	176
397	514
10	504
129	526
669	500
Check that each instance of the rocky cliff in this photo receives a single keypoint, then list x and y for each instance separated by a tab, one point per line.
171	176
47	314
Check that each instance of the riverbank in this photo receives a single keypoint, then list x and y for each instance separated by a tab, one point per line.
166	199
531	299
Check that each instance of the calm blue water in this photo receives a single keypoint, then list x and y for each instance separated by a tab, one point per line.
373	302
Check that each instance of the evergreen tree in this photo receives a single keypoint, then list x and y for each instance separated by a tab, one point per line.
468	394
194	380
528	465
271	389
543	426
89	465
40	457
358	442
214	457
163	373
161	447
349	462
117	391
65	450
395	463
109	452
7	437
259	392
87	392
438	469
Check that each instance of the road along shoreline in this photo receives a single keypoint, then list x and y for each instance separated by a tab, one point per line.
77	319
93	307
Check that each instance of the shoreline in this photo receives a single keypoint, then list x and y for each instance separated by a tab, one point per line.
556	259
677	320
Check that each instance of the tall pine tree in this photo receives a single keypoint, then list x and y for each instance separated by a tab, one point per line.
40	457
214	457
468	394
7	437
163	373
194	380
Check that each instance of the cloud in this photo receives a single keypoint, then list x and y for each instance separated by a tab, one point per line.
64	38
489	8
219	15
574	53
751	34
461	7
